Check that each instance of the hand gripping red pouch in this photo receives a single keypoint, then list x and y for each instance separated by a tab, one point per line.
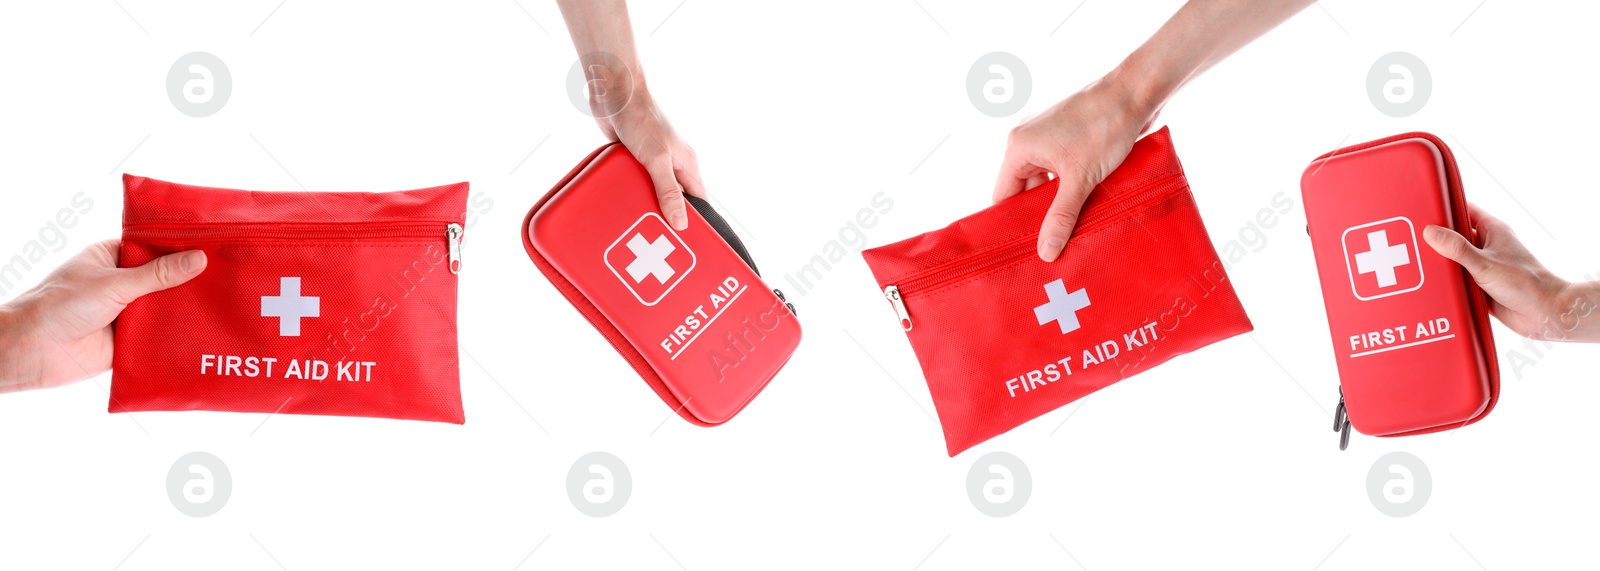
1004	337
1410	328
687	309
329	303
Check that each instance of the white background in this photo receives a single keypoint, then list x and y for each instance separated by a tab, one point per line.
800	112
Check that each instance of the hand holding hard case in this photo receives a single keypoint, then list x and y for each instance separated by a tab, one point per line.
687	309
1411	332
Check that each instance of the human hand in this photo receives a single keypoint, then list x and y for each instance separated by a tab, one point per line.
622	105
643	129
59	332
1525	296
1079	141
1083	138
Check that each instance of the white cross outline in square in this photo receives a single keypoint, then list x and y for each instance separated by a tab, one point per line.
1062	307
1353	271
605	257
289	306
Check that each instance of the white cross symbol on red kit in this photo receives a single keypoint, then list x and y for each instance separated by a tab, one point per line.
1381	259
1063	307
652	258
289	306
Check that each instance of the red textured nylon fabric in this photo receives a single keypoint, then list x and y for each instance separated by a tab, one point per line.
1140	257
381	342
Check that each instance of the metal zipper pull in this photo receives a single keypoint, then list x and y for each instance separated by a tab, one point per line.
893	293
785	302
1338	413
452	235
1341	421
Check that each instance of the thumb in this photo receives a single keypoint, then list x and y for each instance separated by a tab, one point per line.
161	273
668	192
1062	217
1454	246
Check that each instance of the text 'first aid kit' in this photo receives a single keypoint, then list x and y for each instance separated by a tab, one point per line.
687	309
1004	337
1411	331
328	303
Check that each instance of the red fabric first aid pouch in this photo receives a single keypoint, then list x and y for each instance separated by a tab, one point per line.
329	303
687	309
1004	337
1411	332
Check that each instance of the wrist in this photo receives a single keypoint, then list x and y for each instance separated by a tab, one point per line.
13	322
639	106
1144	83
1576	312
640	98
612	83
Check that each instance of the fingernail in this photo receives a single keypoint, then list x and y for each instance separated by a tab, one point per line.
190	262
680	221
1050	249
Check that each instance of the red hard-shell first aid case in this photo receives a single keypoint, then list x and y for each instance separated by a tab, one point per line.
1410	328
327	303
687	309
1004	337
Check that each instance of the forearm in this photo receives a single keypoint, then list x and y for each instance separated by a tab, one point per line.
602	26
1201	34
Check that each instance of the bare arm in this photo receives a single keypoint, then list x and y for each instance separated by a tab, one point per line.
622	105
1086	136
1525	296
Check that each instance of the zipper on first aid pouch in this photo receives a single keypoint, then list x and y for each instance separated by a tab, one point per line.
1341	422
451	232
452	238
893	293
1016	249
